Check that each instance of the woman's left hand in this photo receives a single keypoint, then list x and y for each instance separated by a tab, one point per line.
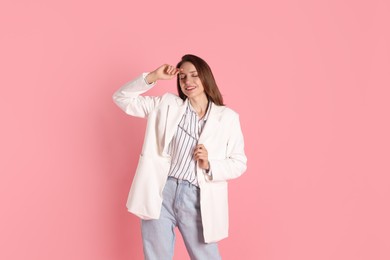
201	156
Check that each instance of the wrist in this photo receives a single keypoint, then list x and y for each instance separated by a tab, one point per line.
207	170
151	78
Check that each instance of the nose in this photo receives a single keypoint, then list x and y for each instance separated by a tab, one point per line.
187	80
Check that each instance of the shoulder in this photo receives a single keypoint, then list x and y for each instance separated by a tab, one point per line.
225	111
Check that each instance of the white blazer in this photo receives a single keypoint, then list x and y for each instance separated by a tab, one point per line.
221	136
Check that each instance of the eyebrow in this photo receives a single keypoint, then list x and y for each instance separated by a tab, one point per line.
189	72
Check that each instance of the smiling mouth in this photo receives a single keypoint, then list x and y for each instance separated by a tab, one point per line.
189	88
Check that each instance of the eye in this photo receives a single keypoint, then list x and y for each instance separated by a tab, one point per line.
195	75
182	76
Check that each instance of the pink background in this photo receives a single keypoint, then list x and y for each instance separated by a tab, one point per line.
310	80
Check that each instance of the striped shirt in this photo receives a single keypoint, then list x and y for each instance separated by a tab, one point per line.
181	148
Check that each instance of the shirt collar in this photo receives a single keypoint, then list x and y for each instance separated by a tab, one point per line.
206	116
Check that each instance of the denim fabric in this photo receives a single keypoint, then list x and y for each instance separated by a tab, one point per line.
181	208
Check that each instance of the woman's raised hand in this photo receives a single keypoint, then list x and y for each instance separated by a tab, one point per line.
163	72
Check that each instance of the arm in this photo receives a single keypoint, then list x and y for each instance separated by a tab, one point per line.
129	98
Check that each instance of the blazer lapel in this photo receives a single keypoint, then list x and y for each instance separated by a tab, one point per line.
174	114
212	124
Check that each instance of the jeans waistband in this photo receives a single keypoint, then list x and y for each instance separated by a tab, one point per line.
182	182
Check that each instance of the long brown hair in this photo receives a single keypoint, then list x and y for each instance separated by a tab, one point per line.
205	76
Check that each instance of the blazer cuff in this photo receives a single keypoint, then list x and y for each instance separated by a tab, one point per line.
144	77
208	173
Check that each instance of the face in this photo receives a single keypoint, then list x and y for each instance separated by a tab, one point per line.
190	82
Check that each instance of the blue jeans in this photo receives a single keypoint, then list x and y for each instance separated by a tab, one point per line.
181	208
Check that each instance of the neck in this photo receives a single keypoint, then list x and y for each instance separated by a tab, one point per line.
200	105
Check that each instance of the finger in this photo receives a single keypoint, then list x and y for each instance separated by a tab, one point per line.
166	68
169	69
200	151
200	155
176	71
201	160
203	155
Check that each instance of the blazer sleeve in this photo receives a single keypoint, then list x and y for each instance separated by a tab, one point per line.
129	98
234	165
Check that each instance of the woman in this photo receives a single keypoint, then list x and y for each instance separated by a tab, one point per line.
193	145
